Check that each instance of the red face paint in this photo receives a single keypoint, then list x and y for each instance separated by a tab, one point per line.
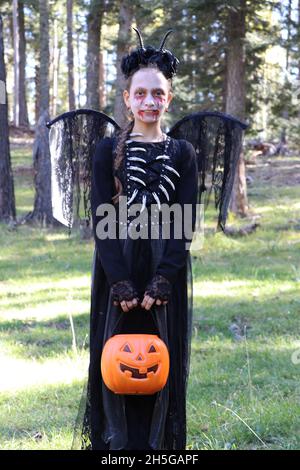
150	112
158	99
148	103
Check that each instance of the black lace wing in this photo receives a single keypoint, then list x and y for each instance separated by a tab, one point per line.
73	138
217	138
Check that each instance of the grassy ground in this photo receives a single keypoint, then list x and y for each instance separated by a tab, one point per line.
244	380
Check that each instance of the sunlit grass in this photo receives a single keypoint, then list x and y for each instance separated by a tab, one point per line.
248	285
39	417
19	373
243	390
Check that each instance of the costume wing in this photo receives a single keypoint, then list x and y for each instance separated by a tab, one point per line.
217	139
73	138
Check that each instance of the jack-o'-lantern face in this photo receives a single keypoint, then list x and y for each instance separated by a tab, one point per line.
135	364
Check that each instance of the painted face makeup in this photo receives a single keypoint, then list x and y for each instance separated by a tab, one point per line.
148	95
149	104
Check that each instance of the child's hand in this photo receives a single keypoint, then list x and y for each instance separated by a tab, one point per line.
149	301
125	294
127	305
157	291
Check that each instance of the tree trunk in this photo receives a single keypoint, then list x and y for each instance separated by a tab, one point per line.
44	56
70	54
289	26
37	93
42	211
7	197
23	112
125	31
55	59
102	77
78	74
94	20
16	42
285	111
235	94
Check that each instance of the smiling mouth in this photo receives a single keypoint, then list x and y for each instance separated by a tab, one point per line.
135	373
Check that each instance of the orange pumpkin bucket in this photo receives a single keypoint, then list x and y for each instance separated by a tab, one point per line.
134	364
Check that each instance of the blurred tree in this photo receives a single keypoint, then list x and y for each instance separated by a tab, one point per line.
70	55
284	89
7	196
94	23
235	96
19	41
125	32
238	59
16	42
217	70
23	112
42	211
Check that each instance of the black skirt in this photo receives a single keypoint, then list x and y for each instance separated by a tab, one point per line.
107	421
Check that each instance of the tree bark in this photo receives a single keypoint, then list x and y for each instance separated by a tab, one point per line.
102	77
23	112
289	26
78	75
37	93
7	196
236	94
44	56
42	211
70	54
94	21
16	42
55	60
125	31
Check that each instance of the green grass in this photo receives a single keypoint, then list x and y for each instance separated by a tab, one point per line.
243	391
245	394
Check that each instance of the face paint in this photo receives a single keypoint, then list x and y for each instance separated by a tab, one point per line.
149	104
148	95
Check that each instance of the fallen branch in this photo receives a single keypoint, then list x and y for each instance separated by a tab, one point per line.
242	231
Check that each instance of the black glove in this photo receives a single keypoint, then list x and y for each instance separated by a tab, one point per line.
159	288
123	290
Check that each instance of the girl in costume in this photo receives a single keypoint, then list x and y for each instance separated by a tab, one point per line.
140	285
142	272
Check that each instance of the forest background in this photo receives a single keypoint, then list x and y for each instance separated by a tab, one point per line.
240	57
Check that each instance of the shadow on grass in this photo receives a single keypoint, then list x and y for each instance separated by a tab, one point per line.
38	339
48	264
254	263
234	384
265	315
21	299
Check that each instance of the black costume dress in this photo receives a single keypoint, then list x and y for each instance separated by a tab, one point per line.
156	421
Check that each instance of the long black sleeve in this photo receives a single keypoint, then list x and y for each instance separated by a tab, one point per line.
175	253
102	190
